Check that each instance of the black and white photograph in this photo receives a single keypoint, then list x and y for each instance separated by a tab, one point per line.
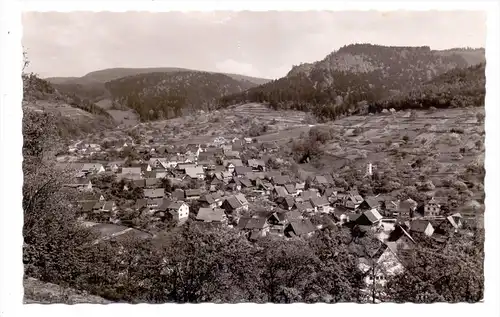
254	157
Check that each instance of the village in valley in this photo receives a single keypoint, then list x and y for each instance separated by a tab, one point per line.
253	184
248	168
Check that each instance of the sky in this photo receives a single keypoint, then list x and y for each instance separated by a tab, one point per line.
259	44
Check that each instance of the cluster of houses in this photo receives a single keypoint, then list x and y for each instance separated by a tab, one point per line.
225	183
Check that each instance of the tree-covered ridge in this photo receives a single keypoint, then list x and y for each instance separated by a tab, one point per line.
104	75
352	76
167	95
454	89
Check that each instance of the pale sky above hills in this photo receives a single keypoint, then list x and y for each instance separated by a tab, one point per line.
260	44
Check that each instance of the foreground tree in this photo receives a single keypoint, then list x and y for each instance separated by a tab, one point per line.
450	273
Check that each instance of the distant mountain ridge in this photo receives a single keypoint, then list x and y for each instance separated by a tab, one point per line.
109	74
95	86
163	95
356	74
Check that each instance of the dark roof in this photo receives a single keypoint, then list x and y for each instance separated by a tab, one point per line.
280	216
141	183
88	205
302	227
245	181
281	180
243	222
178	193
152	181
175	205
372	202
233	202
308	194
328	192
281	191
303	206
353	216
290	188
256	223
242	170
207	198
419	225
272	174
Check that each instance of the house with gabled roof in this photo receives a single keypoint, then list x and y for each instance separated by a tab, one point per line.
299	228
285	202
195	172
320	180
304	206
279	191
131	173
379	265
175	210
390	207
240	171
320	204
211	200
340	214
353	200
277	222
430	209
369	218
407	208
162	162
235	204
421	227
369	203
103	210
300	187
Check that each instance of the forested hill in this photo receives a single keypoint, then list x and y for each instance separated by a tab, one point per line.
92	85
356	75
171	94
69	114
454	89
109	74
